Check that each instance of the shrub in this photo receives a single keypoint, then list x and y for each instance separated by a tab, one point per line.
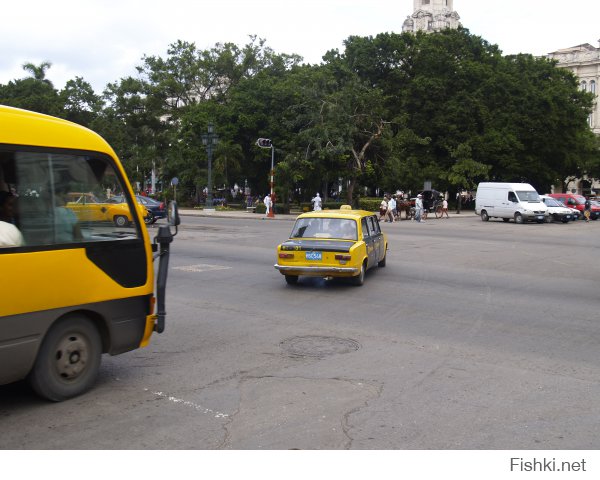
369	204
281	209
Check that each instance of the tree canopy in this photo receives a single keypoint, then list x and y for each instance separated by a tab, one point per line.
390	111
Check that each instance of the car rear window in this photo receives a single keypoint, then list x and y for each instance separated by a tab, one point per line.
340	228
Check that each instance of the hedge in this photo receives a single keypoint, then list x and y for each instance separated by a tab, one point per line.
281	209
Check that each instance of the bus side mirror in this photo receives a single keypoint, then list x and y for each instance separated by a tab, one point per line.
173	214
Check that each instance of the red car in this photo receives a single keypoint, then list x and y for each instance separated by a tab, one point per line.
573	200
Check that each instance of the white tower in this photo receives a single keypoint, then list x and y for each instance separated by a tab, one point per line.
431	16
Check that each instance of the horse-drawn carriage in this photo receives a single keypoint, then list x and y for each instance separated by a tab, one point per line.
432	203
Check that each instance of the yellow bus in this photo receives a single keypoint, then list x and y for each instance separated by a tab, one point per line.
74	286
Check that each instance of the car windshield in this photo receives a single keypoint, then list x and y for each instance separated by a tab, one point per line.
552	203
325	228
528	196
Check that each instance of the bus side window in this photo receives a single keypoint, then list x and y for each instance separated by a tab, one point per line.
50	186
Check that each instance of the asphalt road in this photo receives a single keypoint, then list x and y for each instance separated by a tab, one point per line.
475	336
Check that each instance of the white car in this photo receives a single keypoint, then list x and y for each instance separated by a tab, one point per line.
557	212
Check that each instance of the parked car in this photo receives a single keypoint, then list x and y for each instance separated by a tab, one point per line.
333	243
156	209
89	208
557	212
518	201
573	200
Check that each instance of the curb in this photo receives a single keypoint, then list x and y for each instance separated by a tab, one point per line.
280	217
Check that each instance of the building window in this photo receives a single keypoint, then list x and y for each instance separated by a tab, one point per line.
425	2
593	86
584	86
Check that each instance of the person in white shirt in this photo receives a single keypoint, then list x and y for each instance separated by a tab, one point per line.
268	203
445	208
10	236
316	202
391	211
419	208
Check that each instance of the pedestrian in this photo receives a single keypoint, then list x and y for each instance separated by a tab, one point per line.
587	209
316	201
419	208
391	211
445	208
383	206
7	207
268	203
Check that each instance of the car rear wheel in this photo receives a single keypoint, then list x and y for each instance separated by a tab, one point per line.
291	279
381	264
121	221
68	361
359	280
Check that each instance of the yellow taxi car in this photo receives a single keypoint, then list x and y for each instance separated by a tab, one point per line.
88	208
333	243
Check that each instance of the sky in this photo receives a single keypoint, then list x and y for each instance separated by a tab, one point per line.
104	40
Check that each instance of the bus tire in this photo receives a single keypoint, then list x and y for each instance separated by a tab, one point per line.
68	361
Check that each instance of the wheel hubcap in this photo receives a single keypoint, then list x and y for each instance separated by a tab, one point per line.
71	357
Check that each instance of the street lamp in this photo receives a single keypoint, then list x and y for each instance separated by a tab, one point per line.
209	140
267	143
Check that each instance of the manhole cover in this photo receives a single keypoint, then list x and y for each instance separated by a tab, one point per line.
318	347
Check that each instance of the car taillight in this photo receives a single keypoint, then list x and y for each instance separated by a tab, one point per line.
162	205
343	257
286	255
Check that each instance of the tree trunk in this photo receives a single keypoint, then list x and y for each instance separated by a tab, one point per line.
350	192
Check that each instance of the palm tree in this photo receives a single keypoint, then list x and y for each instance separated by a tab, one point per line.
38	72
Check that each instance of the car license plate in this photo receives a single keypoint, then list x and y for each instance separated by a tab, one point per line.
540	217
314	256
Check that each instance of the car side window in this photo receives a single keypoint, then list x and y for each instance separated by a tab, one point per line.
512	197
374	225
365	228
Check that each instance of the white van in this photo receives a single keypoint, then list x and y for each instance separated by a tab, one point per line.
518	201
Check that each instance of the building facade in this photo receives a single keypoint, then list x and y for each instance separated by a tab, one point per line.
431	16
584	62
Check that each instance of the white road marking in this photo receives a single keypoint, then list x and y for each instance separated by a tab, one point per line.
187	403
202	267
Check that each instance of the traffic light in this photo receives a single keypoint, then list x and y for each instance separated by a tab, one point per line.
264	143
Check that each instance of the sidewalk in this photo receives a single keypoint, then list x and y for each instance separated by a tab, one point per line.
241	214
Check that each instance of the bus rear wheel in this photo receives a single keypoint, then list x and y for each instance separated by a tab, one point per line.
68	361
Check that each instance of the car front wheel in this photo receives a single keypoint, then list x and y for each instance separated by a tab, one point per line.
149	219
484	216
518	218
